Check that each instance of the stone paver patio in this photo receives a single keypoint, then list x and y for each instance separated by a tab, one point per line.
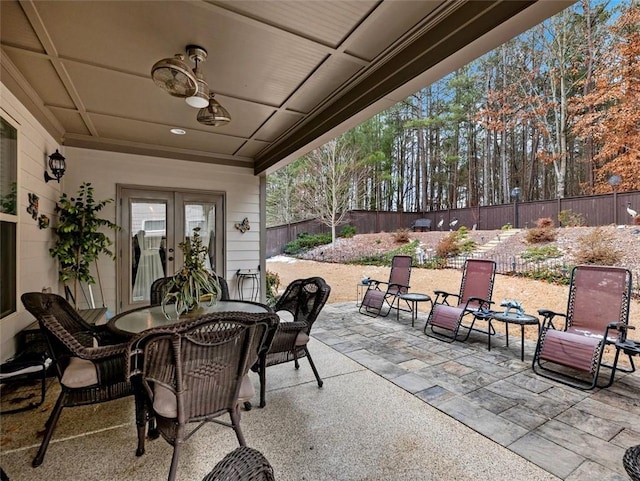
573	434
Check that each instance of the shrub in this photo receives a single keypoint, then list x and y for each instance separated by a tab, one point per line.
447	247
568	218
597	248
542	232
506	227
537	254
636	220
384	259
273	284
455	243
348	231
305	241
401	236
554	275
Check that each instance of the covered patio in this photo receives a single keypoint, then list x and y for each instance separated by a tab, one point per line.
395	405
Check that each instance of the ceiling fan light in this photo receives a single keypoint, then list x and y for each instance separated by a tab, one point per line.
175	76
200	99
214	114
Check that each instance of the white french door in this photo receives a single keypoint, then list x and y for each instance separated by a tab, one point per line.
154	222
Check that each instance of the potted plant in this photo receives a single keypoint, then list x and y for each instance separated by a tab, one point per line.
79	240
192	285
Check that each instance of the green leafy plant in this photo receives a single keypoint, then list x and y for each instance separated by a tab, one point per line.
455	243
541	253
192	284
9	202
348	231
273	284
553	275
79	241
305	241
506	227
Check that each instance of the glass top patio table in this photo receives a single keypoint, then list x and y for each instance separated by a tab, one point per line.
143	318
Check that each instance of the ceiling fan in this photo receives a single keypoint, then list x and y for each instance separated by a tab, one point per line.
179	80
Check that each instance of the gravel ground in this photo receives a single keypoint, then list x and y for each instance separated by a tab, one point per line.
330	262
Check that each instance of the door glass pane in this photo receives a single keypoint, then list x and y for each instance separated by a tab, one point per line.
148	246
203	215
8	168
8	263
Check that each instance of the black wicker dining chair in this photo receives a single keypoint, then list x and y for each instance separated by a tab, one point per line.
303	299
196	371
89	362
631	462
242	464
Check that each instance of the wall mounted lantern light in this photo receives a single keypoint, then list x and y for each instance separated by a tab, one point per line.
56	166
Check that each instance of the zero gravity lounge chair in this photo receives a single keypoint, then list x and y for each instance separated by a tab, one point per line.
474	298
382	295
597	315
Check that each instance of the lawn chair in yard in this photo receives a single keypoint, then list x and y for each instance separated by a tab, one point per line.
597	315
380	294
473	301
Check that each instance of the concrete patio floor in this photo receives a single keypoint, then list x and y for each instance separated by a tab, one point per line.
395	405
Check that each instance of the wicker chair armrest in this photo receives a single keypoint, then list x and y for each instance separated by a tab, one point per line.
106	336
293	326
286	335
99	353
111	369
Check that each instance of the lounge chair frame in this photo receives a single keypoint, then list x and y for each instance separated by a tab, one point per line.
380	294
473	300
597	316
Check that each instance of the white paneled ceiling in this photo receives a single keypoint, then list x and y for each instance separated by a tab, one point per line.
292	74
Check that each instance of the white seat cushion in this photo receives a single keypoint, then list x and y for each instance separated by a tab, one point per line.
285	316
302	339
247	390
165	402
79	373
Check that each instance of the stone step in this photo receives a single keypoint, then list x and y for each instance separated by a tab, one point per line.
484	248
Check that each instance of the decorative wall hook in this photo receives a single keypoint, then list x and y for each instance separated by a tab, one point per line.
243	226
33	205
43	222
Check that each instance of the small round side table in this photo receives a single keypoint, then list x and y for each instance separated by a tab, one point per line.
412	298
513	318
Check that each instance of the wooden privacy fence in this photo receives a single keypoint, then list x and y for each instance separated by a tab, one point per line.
595	210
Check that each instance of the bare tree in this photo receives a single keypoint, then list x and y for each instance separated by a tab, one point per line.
332	180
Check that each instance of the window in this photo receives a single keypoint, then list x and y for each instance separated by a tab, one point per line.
8	216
